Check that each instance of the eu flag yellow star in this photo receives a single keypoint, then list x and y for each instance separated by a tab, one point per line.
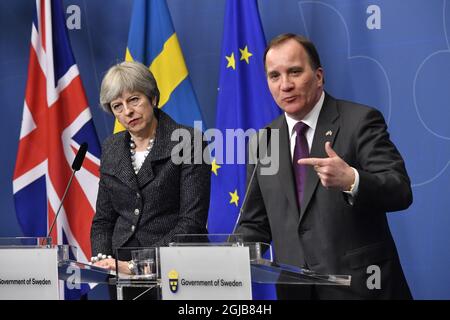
231	61
234	197
215	166
245	54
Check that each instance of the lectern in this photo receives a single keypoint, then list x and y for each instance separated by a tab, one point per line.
30	269
192	267
212	267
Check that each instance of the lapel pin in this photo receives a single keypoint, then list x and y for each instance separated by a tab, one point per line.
328	133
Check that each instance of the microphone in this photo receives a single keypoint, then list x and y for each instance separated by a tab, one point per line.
76	165
78	161
250	181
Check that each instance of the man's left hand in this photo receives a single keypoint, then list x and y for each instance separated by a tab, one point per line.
333	172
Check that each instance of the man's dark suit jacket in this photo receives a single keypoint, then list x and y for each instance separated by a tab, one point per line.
328	235
162	200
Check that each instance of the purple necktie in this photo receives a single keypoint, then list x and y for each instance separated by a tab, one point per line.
300	151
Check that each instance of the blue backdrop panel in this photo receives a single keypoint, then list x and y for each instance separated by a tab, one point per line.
391	54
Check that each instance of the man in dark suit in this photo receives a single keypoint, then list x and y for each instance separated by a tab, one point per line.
339	173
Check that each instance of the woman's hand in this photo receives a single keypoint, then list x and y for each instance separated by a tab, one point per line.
110	264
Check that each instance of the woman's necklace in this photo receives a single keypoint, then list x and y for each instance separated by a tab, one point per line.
138	157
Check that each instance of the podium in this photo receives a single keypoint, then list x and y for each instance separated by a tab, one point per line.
192	267
31	267
213	267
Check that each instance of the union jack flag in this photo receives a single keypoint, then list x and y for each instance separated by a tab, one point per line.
56	120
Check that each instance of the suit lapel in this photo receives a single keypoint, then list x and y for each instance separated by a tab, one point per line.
326	130
286	174
122	167
161	149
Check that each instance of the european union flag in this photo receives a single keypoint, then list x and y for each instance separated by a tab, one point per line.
152	40
244	102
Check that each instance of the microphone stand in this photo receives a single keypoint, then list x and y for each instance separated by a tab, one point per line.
60	205
250	181
76	165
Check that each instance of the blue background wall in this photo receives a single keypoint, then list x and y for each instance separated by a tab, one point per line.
403	69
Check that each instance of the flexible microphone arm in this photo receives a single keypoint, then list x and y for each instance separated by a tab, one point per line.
76	165
250	181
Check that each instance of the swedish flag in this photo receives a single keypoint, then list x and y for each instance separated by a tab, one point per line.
244	102
153	41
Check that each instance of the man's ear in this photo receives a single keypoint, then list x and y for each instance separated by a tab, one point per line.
319	76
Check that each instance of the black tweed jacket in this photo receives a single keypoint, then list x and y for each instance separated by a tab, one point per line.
162	200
